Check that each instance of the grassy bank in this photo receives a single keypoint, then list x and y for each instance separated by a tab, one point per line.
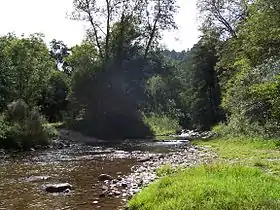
161	125
244	176
255	152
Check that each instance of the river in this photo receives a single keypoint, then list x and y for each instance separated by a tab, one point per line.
79	165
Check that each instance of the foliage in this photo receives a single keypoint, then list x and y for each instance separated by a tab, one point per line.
248	65
27	68
50	130
162	125
163	94
23	127
151	17
28	72
123	83
225	15
119	83
201	91
211	187
252	100
54	99
260	34
4	127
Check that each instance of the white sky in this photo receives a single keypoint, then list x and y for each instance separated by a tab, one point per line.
49	17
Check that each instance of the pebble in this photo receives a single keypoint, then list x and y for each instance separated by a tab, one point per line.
144	172
117	192
124	185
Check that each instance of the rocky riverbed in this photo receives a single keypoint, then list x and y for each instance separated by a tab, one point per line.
89	177
144	172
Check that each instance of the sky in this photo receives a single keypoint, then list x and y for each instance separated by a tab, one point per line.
50	18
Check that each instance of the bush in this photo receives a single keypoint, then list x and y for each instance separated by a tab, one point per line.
211	187
252	100
238	126
24	127
50	130
4	127
161	125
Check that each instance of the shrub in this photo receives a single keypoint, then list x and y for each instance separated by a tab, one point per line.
50	130
252	100
222	129
4	127
238	126
24	127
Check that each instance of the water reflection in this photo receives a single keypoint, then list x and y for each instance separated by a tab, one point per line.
78	167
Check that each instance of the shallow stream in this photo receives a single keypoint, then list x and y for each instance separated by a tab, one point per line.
22	176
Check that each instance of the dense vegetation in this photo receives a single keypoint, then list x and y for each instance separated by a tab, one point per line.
27	72
246	65
120	83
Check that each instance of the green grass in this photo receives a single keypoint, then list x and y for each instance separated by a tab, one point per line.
161	125
247	151
245	175
166	170
211	187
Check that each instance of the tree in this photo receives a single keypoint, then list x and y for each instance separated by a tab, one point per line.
123	34
260	34
151	18
6	69
248	65
201	91
54	100
27	67
225	15
251	99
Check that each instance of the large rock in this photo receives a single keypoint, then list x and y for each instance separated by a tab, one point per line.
57	188
104	177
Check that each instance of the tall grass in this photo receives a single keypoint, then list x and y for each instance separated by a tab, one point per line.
249	151
161	125
211	187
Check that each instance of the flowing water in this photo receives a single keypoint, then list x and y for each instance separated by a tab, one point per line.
78	165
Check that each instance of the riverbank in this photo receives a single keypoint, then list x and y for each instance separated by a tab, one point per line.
244	175
148	168
252	152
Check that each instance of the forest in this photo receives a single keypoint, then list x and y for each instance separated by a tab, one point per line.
120	82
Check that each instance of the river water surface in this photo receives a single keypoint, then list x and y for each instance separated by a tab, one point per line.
78	165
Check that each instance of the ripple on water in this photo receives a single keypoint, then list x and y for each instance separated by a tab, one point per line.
79	165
